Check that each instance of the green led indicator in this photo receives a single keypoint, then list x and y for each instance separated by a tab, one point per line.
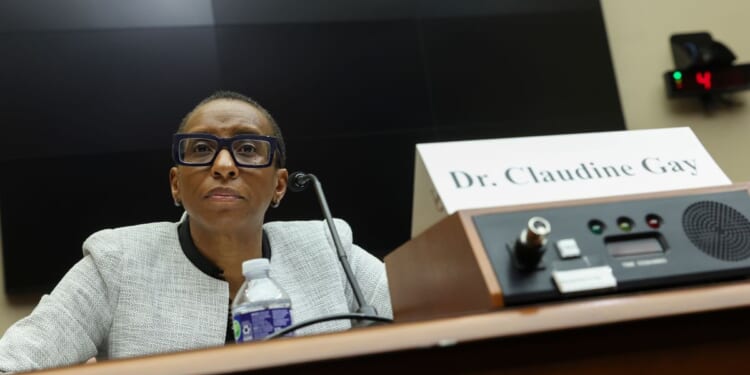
677	75
625	224
596	226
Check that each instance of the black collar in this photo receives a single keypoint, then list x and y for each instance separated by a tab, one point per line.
203	263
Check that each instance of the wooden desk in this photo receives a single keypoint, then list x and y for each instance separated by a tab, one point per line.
701	329
689	329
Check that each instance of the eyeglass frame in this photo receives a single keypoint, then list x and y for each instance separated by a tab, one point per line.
224	143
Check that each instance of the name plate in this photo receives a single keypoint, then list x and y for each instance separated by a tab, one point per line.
451	176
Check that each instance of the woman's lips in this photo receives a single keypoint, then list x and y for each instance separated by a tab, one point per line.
224	194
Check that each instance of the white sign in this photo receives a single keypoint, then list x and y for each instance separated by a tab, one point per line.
451	176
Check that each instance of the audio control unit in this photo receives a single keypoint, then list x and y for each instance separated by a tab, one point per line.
630	245
484	259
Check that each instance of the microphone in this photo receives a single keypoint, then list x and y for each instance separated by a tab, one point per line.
299	181
365	314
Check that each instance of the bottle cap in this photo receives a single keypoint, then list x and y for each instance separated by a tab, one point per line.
255	266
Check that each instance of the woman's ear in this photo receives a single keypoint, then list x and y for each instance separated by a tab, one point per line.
175	185
282	178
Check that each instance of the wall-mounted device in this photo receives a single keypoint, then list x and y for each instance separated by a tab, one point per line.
704	69
480	260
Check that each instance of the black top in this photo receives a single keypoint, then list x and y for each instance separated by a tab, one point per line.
210	269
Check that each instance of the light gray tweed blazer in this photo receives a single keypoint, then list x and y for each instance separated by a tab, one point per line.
135	293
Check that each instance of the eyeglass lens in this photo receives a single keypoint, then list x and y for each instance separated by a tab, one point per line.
245	151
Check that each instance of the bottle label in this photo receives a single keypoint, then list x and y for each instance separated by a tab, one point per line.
257	325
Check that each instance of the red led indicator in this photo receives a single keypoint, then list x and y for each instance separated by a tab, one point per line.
653	221
704	79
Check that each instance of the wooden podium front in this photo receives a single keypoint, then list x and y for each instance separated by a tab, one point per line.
687	330
449	327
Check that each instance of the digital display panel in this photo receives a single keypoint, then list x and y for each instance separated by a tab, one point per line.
702	81
628	246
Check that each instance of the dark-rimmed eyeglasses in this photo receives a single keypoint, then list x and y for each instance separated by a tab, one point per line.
247	150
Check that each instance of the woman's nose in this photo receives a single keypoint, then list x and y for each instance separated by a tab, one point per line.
224	166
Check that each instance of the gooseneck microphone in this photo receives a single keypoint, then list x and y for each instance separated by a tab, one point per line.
365	314
299	181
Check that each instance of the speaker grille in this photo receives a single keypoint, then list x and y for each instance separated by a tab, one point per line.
718	230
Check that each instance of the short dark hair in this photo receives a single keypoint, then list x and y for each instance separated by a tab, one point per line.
231	95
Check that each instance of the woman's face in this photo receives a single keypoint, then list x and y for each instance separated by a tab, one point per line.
224	196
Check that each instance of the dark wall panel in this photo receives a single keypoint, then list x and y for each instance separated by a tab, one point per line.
89	105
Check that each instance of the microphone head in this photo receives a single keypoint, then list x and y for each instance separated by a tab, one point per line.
298	181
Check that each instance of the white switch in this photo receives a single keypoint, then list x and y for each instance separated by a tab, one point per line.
568	248
584	279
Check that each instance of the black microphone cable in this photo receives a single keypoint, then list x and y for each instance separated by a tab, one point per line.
327	318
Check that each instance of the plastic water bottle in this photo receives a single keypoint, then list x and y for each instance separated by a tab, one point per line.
261	306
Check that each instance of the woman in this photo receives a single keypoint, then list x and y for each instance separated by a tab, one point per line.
164	287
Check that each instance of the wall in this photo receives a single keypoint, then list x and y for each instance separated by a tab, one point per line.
638	32
12	309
